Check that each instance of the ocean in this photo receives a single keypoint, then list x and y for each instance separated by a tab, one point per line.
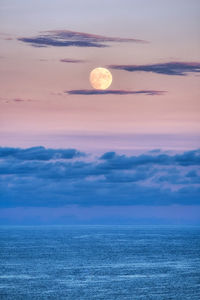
100	262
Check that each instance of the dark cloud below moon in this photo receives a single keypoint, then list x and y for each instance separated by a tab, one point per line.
67	38
169	68
113	92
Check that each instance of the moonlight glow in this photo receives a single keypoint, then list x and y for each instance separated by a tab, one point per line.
100	78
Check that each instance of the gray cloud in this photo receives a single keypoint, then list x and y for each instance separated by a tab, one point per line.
16	100
38	153
52	177
113	92
66	38
71	60
169	68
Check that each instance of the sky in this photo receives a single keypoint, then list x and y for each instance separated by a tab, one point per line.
70	154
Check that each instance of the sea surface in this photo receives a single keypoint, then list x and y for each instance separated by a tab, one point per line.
100	262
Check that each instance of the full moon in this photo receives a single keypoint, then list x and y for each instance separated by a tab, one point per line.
100	78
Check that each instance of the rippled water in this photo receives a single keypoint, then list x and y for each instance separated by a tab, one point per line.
100	262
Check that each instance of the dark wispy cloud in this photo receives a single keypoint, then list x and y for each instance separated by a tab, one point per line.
57	177
66	38
169	68
113	92
16	100
21	100
71	60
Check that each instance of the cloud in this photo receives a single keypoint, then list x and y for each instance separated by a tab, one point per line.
113	92
56	177
71	60
169	68
21	100
16	100
67	38
188	158
38	153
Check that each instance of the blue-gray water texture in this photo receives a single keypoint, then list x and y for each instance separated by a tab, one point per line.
100	262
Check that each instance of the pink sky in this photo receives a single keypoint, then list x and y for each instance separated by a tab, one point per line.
36	75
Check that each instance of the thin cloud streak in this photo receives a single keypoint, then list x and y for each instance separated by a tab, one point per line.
169	68
67	38
16	100
113	92
71	60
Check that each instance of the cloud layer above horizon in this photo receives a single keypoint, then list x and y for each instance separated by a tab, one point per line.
43	177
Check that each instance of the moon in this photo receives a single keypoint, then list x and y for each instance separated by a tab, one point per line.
100	78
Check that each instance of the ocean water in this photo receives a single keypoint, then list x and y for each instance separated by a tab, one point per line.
100	262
